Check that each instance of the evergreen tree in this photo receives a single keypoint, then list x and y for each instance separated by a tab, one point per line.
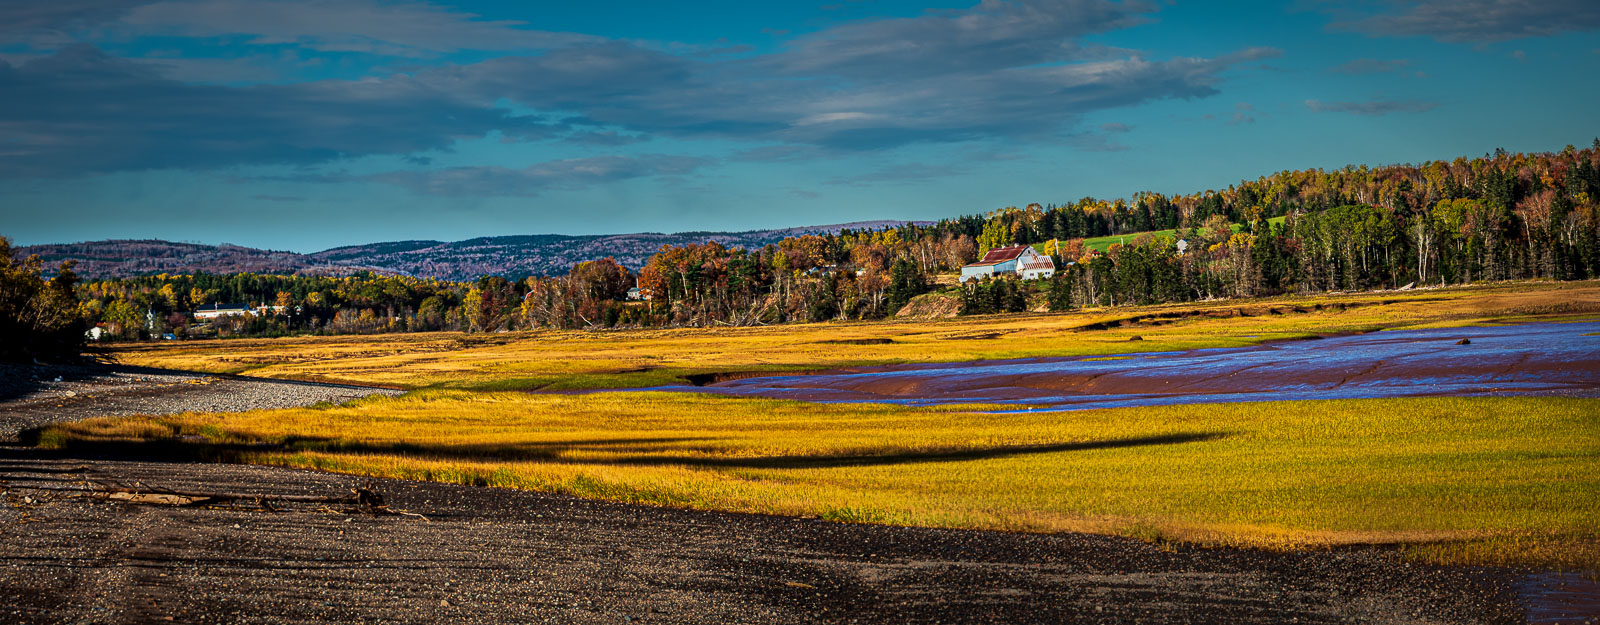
1060	294
905	282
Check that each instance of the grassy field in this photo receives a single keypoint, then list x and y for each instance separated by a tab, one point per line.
1104	243
1482	480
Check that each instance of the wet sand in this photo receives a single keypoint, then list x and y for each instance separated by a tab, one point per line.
1533	359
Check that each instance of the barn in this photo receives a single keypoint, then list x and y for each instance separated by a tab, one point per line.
1022	260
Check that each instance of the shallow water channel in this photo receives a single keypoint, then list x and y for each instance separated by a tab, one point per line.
1529	359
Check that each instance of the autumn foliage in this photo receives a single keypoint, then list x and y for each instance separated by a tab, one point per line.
1503	216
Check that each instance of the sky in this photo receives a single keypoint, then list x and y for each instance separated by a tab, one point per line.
308	124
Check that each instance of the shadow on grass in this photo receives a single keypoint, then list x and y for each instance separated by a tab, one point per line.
827	461
630	451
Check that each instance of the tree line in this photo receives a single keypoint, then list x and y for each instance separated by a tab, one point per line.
1502	216
39	317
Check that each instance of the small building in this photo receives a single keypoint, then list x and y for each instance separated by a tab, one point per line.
1022	260
634	294
217	311
1035	266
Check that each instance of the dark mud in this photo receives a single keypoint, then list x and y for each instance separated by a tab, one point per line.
1533	359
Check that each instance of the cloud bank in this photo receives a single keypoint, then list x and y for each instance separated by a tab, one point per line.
1002	69
1479	21
557	175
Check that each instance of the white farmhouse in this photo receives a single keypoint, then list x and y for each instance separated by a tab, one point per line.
1022	260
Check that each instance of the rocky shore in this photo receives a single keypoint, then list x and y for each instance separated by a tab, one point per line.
36	395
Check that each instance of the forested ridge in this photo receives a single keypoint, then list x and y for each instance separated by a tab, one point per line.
1503	216
510	256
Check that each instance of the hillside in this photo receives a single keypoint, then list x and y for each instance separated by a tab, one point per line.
126	257
514	256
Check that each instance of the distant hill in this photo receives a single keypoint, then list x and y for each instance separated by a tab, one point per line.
124	257
515	256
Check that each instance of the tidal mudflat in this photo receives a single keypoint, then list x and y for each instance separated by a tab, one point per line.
1537	359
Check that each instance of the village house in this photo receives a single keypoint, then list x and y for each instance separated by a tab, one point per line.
216	311
1021	260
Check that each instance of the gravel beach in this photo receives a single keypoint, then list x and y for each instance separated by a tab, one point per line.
33	396
493	556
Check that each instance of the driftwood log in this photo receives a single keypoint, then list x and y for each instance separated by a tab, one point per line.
364	498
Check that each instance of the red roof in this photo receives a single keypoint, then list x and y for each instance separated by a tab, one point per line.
1000	255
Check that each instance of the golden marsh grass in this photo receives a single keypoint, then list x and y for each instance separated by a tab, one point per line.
1468	480
1278	474
556	360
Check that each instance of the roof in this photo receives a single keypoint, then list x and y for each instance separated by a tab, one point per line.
1043	262
999	255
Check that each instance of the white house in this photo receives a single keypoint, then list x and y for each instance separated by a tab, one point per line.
1033	265
215	311
1022	260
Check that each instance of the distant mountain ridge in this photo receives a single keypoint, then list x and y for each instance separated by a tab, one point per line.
511	255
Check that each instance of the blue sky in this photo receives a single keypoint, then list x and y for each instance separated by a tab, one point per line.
307	124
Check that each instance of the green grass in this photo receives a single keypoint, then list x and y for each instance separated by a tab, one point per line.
1102	244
